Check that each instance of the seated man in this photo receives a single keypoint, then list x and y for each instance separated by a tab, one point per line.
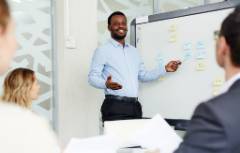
214	127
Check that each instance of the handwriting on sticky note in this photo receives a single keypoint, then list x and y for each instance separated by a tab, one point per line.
200	45
172	33
187	54
218	82
201	54
187	46
200	65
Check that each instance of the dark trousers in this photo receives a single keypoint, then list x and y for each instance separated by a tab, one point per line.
120	109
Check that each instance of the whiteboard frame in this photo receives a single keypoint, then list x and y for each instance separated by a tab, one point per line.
181	13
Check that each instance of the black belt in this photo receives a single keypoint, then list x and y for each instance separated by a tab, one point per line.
123	98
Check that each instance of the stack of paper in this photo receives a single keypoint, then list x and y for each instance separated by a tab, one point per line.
157	134
99	144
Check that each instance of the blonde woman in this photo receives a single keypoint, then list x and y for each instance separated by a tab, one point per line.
21	87
21	131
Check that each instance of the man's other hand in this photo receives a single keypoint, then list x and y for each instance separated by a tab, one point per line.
112	85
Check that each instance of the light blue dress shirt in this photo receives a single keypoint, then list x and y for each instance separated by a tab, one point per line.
125	66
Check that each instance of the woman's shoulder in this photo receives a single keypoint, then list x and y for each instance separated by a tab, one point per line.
23	126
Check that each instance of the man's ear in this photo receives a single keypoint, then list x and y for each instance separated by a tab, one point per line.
109	27
223	46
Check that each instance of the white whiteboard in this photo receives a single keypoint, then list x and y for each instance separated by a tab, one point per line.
190	39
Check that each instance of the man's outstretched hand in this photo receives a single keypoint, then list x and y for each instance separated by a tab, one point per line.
112	85
172	66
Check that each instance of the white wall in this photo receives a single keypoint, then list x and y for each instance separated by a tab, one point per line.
78	103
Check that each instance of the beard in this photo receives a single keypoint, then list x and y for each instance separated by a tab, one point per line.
118	37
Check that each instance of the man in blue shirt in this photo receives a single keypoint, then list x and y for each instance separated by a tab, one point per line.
116	67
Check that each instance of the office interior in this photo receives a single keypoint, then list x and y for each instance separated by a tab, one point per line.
57	39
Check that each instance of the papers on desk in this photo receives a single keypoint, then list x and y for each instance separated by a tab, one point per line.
99	144
155	135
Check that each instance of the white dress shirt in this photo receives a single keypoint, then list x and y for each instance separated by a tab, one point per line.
126	67
229	83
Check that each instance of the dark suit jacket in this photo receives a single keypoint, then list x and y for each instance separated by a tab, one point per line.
215	125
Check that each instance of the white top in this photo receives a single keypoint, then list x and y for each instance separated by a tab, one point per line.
22	131
229	83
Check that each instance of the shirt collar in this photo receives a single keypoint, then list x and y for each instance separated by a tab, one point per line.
230	82
117	44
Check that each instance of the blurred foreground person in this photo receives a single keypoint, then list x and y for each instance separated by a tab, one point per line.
21	131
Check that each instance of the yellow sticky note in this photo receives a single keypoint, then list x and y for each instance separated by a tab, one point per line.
172	28
172	33
200	65
173	38
215	91
162	78
218	82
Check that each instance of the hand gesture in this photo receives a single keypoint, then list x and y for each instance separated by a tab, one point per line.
172	66
112	85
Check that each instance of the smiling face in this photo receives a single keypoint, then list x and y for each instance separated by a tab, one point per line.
118	27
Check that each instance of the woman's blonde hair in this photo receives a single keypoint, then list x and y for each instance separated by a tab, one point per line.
17	87
4	14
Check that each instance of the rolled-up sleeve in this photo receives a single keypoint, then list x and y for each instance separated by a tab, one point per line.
95	76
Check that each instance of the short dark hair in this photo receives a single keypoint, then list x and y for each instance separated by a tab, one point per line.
230	30
113	14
